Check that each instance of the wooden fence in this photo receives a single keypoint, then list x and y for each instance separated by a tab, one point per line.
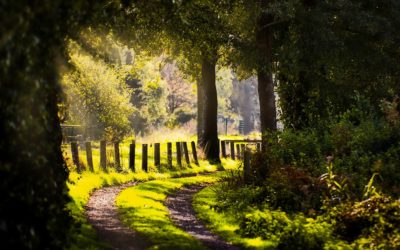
181	150
235	149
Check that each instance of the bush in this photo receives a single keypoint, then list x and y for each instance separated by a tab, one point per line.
373	223
297	232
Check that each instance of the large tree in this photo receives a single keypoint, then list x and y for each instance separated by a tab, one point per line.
195	30
33	174
252	24
32	171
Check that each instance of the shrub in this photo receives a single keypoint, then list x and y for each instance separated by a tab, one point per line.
372	223
295	232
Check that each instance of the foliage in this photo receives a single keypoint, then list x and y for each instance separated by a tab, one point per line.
224	86
151	98
359	143
224	222
297	232
326	57
97	95
372	223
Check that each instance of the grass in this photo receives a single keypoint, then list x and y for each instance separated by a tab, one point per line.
82	185
224	223
142	208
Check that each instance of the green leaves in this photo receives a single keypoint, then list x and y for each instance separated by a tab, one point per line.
97	94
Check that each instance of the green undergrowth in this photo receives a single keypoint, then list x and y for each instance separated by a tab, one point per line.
82	185
224	224
142	209
370	224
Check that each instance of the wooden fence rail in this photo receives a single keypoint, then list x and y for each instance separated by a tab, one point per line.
237	150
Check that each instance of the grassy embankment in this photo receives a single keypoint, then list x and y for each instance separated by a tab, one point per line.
142	208
82	185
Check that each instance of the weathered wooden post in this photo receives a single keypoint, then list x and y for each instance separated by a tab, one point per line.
232	146
258	147
169	154
186	152
103	155
89	156
132	148
238	151
75	155
242	148
117	158
194	152
178	154
144	158
223	149
246	166
157	161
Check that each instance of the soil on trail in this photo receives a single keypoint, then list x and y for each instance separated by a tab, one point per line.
182	213
103	215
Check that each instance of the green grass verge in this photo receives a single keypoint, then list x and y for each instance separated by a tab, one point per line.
142	209
82	185
224	224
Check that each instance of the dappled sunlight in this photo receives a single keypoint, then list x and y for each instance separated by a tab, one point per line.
142	208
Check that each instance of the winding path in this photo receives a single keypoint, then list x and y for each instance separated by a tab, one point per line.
103	215
182	213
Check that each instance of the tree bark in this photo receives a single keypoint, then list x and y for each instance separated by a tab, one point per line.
200	108
210	143
265	80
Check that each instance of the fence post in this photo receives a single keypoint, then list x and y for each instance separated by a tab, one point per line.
89	156
246	166
103	156
186	152
157	154
169	154
144	158
242	149
232	146
238	151
132	148
194	152
75	155
117	158
223	149
258	147
178	154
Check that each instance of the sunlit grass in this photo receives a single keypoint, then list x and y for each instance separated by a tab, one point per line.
82	185
224	224
142	208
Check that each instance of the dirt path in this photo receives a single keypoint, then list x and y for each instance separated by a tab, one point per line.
103	215
182	213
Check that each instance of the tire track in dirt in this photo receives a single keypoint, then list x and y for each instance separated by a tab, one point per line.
102	214
182	213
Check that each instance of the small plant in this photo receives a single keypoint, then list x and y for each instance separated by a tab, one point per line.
370	189
336	186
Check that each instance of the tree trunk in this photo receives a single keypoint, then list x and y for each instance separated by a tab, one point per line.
200	108
265	81
210	143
